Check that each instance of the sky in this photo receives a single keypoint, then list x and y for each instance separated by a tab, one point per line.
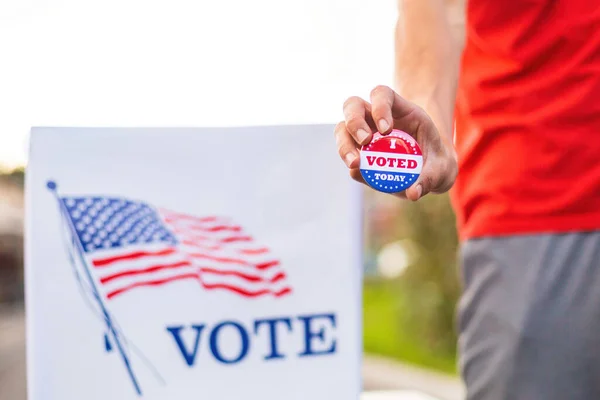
185	62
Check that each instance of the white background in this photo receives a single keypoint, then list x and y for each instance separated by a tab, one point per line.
302	205
185	62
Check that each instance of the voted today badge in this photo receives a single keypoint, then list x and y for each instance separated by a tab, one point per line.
391	163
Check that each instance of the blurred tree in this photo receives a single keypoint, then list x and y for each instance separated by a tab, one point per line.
413	317
11	235
431	283
16	176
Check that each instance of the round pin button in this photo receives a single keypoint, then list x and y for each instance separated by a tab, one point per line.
391	163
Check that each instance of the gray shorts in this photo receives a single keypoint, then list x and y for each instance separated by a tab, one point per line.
529	317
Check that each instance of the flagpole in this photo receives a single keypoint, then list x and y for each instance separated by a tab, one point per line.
107	318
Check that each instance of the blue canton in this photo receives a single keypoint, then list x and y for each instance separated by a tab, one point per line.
105	223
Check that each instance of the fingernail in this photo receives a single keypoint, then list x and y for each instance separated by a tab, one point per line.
383	125
350	157
362	135
419	191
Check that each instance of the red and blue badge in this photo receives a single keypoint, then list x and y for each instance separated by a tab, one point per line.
391	163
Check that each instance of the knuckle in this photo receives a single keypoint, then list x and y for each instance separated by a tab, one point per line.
424	119
338	140
352	101
344	148
340	127
354	122
379	90
339	132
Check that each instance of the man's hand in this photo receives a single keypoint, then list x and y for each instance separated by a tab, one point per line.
386	111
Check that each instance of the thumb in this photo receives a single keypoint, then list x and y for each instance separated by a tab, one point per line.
437	176
415	192
424	181
422	186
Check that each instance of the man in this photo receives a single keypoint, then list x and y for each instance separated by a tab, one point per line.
523	89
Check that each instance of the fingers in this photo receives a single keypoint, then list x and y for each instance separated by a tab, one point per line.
346	145
429	179
388	110
437	176
416	191
388	107
357	176
356	130
382	100
356	115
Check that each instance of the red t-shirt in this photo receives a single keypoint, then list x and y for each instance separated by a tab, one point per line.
528	118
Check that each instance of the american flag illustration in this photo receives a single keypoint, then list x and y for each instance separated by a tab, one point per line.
131	245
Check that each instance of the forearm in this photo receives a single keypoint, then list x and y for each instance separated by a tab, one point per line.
428	48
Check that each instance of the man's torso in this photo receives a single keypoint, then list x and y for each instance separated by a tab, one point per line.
528	118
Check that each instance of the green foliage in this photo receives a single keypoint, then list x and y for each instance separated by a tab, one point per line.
389	329
413	317
432	285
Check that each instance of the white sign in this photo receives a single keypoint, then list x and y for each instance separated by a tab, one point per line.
213	264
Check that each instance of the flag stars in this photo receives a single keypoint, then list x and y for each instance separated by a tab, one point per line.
107	223
117	220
